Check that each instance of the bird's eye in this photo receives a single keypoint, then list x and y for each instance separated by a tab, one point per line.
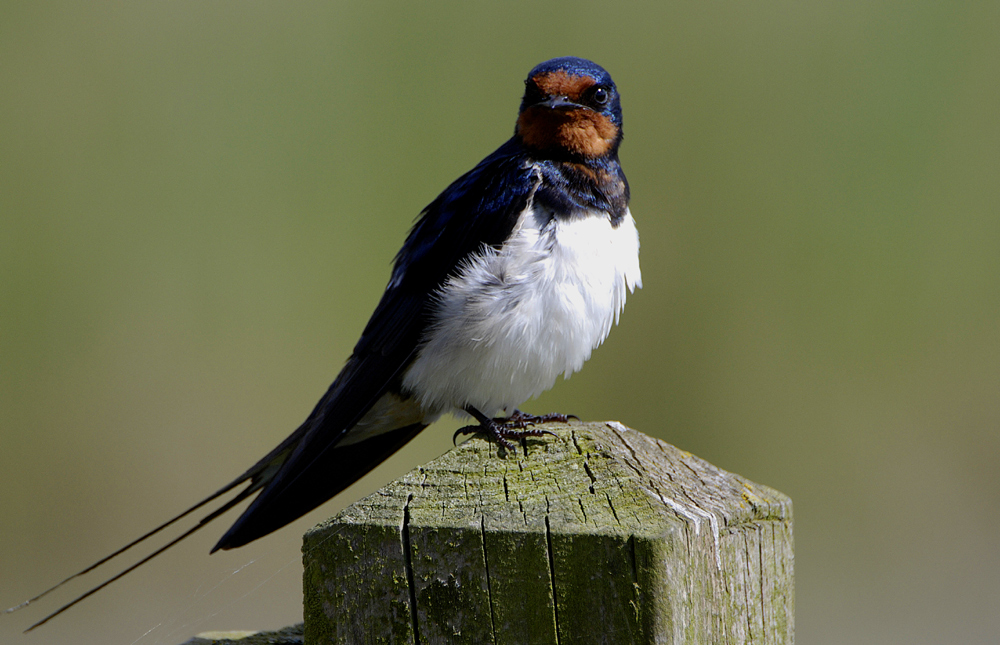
600	96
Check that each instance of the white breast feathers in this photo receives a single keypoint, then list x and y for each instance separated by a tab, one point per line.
512	320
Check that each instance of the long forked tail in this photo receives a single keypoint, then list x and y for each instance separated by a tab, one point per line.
254	486
309	467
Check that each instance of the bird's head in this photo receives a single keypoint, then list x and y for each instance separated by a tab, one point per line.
570	108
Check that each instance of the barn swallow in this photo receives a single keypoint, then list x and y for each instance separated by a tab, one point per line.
511	277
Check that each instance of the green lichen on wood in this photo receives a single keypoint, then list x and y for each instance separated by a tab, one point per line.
369	581
599	534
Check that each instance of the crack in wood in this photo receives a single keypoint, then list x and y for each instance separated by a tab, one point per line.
408	565
760	570
552	572
489	584
746	581
612	507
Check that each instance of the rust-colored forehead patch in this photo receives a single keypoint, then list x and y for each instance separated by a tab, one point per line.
561	83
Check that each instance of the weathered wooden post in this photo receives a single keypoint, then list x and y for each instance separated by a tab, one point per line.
597	535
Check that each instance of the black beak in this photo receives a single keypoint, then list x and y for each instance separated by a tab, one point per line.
559	103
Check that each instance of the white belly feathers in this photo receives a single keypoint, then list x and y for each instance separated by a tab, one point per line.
514	319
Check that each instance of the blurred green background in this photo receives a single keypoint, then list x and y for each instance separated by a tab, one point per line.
200	201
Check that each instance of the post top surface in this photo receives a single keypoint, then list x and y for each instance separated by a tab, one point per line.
590	477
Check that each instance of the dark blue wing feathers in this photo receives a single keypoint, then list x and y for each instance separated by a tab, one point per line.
479	208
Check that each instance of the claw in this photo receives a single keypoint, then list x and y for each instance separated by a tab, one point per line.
522	419
515	427
464	431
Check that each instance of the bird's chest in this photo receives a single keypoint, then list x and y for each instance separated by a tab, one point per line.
513	319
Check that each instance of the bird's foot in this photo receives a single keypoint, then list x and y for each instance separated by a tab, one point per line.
523	419
506	430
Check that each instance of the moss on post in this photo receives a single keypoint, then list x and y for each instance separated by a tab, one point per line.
597	535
